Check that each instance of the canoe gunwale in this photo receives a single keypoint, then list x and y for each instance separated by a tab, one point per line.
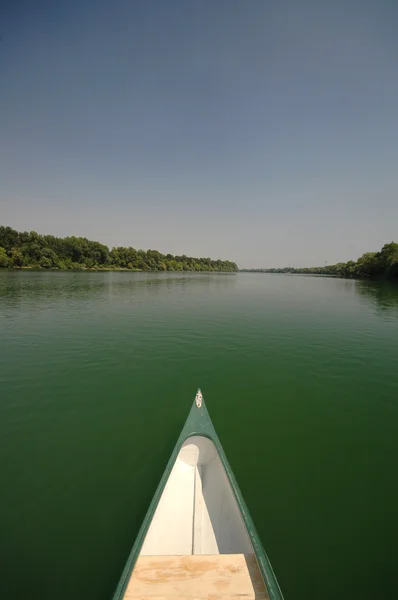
199	423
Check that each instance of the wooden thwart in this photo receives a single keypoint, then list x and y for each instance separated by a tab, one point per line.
196	577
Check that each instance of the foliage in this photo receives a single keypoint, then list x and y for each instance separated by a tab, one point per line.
29	249
371	265
3	257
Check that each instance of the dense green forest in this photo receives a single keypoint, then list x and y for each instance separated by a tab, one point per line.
372	265
30	249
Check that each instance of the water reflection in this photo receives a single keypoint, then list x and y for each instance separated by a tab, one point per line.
19	287
383	295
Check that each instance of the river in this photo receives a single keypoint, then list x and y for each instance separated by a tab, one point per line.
98	372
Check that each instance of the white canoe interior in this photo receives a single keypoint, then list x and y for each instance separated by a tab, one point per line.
197	515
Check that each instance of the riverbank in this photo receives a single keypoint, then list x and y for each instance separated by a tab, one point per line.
31	249
113	269
381	265
330	275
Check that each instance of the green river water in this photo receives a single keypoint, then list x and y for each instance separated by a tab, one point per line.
98	372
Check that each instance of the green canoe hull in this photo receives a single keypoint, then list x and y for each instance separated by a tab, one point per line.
199	423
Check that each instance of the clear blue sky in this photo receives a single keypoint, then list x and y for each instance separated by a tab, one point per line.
263	131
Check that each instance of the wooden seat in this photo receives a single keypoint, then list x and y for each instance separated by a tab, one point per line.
196	577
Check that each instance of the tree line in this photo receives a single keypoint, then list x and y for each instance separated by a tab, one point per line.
30	249
371	265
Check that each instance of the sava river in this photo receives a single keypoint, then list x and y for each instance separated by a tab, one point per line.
97	375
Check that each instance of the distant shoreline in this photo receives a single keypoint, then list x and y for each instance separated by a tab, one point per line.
381	265
269	272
